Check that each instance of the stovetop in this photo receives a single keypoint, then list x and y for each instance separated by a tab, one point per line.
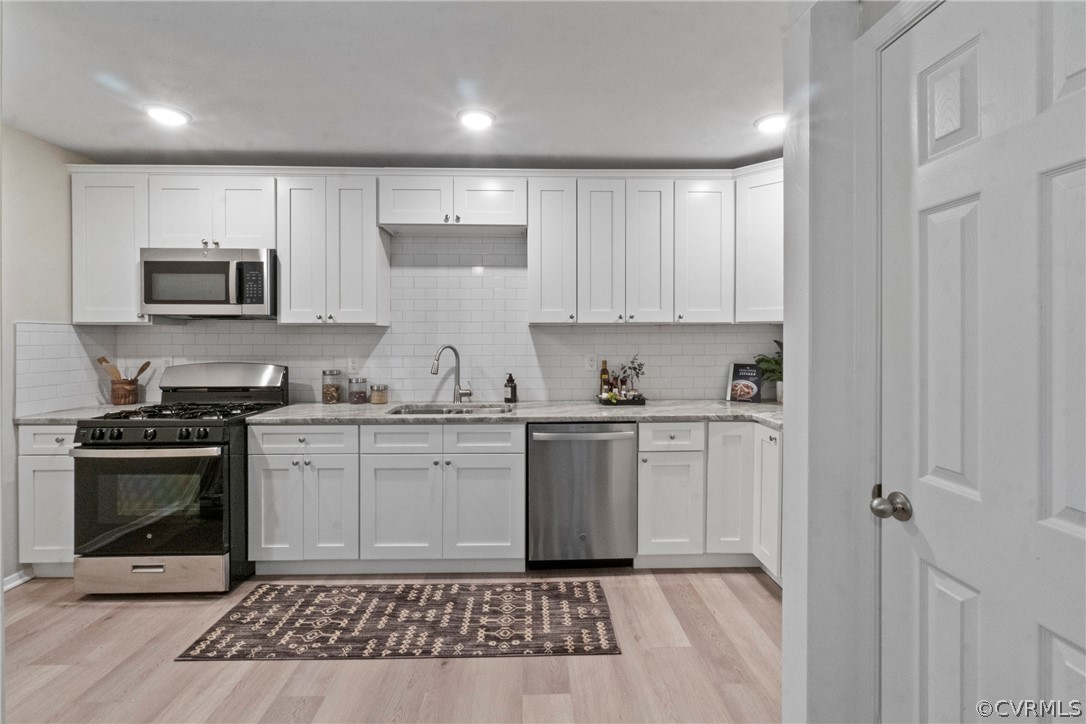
210	412
176	423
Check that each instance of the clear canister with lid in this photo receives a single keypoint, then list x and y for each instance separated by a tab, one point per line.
331	386
357	391
378	394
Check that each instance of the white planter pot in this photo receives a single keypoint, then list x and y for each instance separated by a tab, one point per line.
780	391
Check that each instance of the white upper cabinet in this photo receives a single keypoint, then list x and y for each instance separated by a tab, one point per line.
650	250
705	251
552	250
601	250
442	205
227	211
109	226
333	259
759	246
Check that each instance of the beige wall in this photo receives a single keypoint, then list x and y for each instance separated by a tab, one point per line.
35	280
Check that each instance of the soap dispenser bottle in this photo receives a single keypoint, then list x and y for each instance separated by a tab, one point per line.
510	389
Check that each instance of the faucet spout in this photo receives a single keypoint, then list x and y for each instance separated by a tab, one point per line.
459	395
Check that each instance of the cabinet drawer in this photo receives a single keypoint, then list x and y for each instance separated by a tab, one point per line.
401	439
46	439
663	436
484	438
293	439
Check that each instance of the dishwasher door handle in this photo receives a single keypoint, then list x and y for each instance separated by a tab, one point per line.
545	436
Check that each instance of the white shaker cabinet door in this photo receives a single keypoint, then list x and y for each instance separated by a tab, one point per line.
416	200
46	502
670	502
400	503
276	517
330	505
181	211
109	227
552	250
243	211
705	251
484	498
729	487
357	253
601	250
767	499
301	251
759	247
650	251
490	201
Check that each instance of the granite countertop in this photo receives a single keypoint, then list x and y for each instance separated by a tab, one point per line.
770	414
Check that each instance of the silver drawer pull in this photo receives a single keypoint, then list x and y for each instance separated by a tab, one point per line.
149	569
671	436
301	439
59	439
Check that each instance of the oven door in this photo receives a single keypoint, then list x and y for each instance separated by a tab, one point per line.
159	502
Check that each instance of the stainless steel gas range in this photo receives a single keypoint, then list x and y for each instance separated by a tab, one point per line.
161	491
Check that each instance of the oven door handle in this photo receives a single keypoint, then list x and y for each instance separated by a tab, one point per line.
177	452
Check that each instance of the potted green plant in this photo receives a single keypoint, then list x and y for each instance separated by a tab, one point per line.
772	368
632	371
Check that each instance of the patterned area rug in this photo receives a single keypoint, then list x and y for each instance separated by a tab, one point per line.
409	620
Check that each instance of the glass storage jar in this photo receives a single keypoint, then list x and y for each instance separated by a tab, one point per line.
357	391
378	394
331	386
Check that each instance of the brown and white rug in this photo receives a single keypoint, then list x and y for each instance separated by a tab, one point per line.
409	620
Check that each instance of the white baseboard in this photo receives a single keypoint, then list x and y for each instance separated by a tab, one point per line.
698	560
336	568
18	578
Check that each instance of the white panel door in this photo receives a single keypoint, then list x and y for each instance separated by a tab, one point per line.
357	264
552	250
181	211
46	515
484	514
650	251
276	519
401	506
670	502
243	211
494	200
759	247
767	499
301	250
601	250
109	227
705	251
330	505
983	387
729	488
416	199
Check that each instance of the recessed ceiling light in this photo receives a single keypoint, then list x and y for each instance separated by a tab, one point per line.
165	115
476	119
774	123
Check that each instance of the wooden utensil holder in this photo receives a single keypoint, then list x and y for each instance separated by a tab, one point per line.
124	392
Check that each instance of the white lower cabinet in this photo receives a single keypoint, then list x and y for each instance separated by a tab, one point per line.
46	493
671	503
484	514
729	487
401	506
303	507
767	499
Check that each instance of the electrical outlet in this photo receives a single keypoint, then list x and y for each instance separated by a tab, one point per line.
165	362
590	362
354	365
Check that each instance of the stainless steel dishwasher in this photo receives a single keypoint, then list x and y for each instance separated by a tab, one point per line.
582	492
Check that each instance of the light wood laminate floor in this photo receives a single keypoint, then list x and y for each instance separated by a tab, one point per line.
697	646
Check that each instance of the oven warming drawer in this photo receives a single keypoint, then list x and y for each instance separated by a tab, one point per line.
152	574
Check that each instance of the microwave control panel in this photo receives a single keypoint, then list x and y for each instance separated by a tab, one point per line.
251	289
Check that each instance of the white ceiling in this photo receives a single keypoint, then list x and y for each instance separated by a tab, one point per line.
573	84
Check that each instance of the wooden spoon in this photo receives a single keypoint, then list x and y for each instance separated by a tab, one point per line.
111	369
141	370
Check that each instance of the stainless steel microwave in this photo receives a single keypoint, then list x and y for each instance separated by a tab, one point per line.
217	283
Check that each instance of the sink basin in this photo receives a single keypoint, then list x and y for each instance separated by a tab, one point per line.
484	408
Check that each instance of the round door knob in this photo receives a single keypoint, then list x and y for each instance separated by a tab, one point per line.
294	463
59	439
301	439
572	317
448	462
307	462
895	504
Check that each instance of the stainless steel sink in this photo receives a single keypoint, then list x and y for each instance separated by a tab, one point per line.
484	408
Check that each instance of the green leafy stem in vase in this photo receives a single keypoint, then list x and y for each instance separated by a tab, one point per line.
772	366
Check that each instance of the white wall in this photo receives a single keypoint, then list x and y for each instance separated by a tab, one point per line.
35	264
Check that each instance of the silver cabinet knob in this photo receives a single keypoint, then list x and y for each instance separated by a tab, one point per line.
680	316
307	462
671	436
437	462
895	504
446	218
301	439
294	463
620	316
331	318
572	316
59	439
772	438
644	460
215	243
141	315
458	218
448	462
631	316
204	242
320	317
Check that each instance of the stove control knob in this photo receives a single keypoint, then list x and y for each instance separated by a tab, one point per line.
149	433
201	433
184	433
98	434
116	433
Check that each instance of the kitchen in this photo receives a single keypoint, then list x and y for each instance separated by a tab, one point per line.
554	359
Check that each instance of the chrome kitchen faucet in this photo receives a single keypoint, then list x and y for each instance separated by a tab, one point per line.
459	395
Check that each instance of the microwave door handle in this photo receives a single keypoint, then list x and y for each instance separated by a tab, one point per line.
232	283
